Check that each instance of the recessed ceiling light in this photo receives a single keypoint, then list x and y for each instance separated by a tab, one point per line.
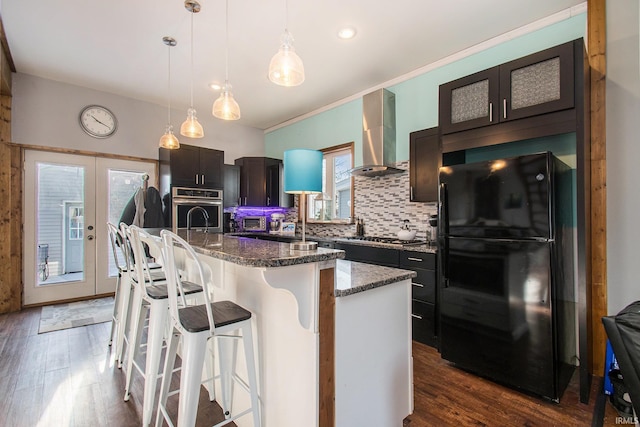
215	86
347	33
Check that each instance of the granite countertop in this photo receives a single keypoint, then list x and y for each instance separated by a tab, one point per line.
288	237
254	252
353	277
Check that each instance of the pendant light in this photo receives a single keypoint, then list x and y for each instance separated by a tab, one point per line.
191	128
169	140
225	107
285	68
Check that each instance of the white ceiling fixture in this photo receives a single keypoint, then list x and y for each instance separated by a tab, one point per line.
286	68
169	140
347	33
191	128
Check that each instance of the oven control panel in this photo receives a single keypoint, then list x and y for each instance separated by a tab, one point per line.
196	193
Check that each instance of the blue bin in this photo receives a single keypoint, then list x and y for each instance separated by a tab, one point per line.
610	363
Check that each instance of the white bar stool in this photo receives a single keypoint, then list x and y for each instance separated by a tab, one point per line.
194	326
120	311
150	294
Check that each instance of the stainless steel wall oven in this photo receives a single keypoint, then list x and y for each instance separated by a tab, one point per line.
198	201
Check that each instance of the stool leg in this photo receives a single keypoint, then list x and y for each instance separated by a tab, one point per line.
158	311
167	373
115	318
210	371
247	341
123	326
135	336
194	347
228	348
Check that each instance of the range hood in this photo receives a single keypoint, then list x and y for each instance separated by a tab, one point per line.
378	135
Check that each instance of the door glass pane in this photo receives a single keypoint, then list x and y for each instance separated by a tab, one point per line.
60	224
122	186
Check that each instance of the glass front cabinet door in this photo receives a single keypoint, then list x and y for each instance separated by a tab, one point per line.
536	84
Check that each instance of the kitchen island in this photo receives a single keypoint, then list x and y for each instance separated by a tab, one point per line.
333	337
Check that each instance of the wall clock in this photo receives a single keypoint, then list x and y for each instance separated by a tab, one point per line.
98	121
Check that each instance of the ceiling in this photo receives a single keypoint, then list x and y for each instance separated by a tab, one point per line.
116	46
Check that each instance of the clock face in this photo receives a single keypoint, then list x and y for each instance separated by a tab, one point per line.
98	121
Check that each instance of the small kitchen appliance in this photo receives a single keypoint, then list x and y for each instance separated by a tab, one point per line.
275	225
254	223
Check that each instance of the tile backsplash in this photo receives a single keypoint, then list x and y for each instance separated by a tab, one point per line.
382	203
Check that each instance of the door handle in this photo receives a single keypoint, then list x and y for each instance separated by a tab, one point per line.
90	237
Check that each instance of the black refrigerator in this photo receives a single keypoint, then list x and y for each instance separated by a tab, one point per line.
506	282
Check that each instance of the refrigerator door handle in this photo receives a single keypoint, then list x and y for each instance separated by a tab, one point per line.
443	238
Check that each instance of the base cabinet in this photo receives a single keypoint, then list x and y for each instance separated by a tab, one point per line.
424	295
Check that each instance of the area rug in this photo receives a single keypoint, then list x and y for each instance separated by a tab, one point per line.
74	314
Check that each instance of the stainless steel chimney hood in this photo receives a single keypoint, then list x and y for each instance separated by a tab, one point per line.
378	135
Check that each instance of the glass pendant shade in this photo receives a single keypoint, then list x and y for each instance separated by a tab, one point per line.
169	140
225	107
191	128
286	68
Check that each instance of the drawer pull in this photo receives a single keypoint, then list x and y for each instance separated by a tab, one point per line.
416	316
420	285
414	259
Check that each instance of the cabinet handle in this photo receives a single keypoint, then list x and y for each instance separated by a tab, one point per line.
245	200
196	178
268	201
202	179
419	285
414	259
504	108
411	193
491	112
416	316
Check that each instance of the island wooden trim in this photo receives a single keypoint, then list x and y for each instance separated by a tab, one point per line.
327	368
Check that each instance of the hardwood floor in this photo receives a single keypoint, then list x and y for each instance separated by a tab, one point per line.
68	378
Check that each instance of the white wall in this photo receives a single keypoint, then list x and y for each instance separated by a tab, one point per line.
623	154
45	112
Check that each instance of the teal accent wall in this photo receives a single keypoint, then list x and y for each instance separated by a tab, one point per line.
416	98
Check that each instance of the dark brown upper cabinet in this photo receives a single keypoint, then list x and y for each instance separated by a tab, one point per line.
191	166
425	159
533	85
261	182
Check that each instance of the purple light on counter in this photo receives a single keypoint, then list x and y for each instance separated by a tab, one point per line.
259	210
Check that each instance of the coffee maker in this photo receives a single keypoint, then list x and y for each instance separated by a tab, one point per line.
230	224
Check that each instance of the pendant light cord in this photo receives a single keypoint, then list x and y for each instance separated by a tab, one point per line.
169	85
226	51
192	12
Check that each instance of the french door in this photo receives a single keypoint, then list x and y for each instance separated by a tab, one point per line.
68	200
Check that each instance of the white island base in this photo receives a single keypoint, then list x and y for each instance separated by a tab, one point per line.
322	360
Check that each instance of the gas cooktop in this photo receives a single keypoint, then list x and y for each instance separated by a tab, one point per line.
388	240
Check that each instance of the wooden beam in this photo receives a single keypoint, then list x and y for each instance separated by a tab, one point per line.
327	368
597	39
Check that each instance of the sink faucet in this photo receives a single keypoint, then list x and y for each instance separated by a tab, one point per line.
204	214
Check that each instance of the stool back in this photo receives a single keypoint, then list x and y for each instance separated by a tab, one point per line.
178	267
117	247
139	238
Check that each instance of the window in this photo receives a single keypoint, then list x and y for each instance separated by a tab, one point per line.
335	203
